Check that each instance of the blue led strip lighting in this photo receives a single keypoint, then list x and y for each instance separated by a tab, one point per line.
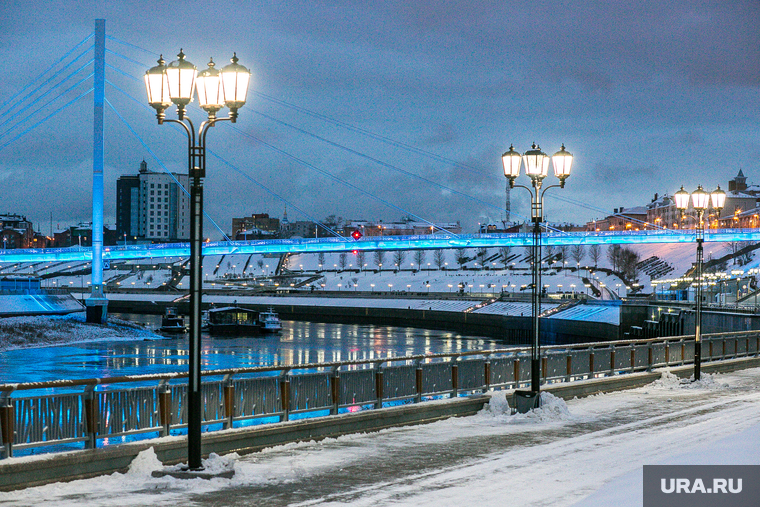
386	243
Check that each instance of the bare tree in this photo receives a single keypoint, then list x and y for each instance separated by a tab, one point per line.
321	259
379	258
504	255
565	251
578	252
595	252
360	257
419	258
398	258
614	256
440	258
342	260
461	257
628	262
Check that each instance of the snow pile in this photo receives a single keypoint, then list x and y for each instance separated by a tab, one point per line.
144	464
669	381
217	464
552	409
498	406
41	331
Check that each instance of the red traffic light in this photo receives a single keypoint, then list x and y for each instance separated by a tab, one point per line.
356	234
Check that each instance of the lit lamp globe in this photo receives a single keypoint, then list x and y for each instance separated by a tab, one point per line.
180	75
511	161
536	163
718	198
700	199
682	199
235	80
209	87
563	161
157	87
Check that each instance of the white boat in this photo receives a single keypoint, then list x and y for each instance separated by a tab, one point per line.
269	321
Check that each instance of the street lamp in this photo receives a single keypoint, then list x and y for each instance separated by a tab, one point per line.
700	202
176	83
537	168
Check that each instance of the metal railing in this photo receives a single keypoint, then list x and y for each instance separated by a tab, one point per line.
104	411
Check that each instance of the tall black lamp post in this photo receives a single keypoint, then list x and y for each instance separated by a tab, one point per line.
176	84
700	202
537	168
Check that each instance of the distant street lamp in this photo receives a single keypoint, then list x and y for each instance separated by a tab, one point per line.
537	168
177	83
700	202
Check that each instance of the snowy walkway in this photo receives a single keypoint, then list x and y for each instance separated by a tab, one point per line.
557	456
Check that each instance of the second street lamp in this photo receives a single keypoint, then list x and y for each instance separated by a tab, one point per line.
175	84
700	202
537	168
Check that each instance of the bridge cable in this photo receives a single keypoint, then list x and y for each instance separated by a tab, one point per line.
415	149
331	231
43	106
38	88
3	146
160	163
12	97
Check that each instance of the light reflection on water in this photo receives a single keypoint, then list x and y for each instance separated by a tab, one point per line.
298	343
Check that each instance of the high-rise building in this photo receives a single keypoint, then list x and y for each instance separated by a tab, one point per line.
150	205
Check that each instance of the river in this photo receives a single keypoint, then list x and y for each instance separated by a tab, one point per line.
297	343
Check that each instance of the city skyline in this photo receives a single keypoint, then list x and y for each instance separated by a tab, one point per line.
646	97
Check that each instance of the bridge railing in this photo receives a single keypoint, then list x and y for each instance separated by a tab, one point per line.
67	414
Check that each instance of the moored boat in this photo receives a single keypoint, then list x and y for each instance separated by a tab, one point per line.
270	321
172	323
233	320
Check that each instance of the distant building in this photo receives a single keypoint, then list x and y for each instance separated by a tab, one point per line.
16	232
622	219
151	205
256	226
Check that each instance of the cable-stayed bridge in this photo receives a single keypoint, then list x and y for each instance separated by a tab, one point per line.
69	80
385	243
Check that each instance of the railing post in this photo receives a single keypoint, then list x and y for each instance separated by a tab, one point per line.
229	401
569	370
746	350
711	353
633	357
454	377
91	412
335	390
378	385
285	394
487	374
723	355
544	368
650	357
7	418
165	407
612	360
591	364
517	372
667	353
418	381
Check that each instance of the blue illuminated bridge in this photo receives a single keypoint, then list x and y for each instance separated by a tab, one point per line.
426	242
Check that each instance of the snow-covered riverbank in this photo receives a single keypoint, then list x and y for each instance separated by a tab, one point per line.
43	331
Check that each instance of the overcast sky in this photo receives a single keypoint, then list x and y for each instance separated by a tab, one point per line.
647	96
